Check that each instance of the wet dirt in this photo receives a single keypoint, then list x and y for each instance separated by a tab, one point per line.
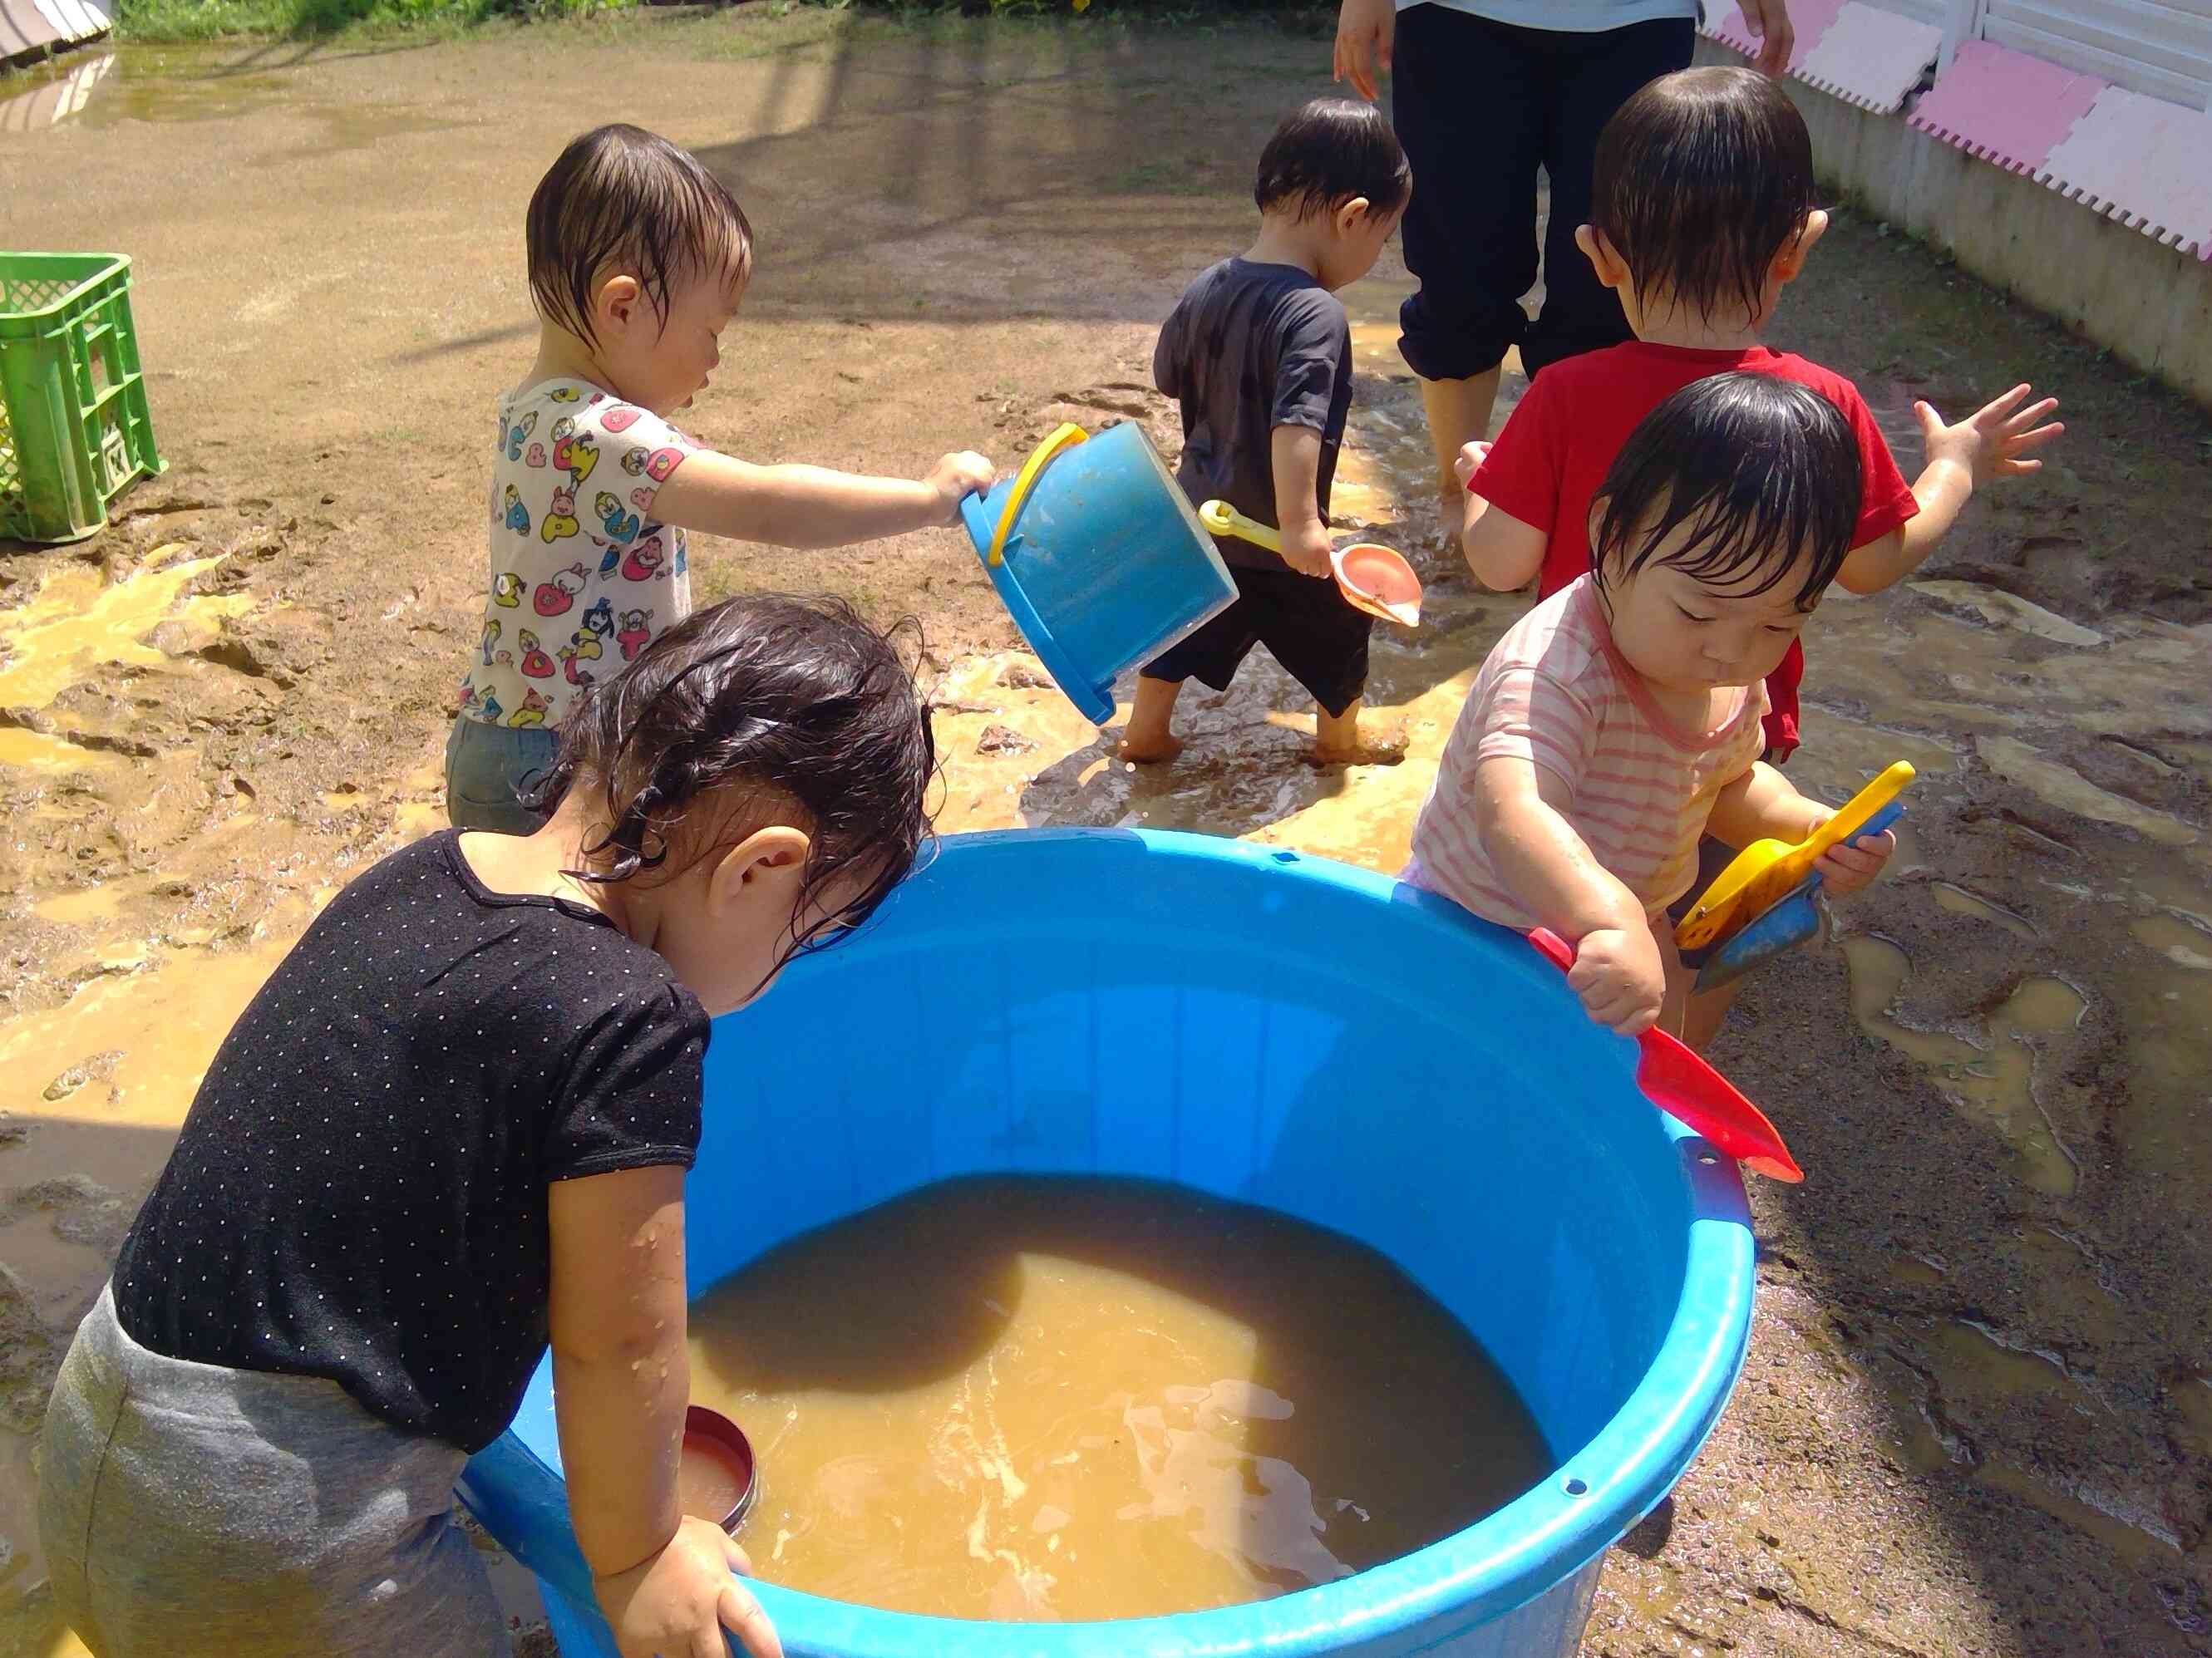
1976	1418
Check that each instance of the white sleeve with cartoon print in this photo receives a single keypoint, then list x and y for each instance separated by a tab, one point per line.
582	577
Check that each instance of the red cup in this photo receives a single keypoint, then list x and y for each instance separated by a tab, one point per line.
716	1477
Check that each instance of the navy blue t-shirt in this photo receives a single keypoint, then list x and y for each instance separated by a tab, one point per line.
358	1191
1249	348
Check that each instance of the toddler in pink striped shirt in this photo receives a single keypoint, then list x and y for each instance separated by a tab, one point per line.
1619	721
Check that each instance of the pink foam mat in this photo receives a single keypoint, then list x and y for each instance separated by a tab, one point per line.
1870	57
1810	19
2004	106
2141	161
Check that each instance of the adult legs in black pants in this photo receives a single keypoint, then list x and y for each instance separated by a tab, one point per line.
1479	106
1588	85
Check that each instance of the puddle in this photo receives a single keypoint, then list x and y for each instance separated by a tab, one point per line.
35	752
2066	789
1959	902
137	83
2142	1538
2006	610
37	99
2192	1401
162	1028
76	620
1919	1270
165	84
1998	1080
86	907
2184	945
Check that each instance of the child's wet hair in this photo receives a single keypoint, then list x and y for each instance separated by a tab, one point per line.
1765	470
1331	150
622	198
797	709
1700	180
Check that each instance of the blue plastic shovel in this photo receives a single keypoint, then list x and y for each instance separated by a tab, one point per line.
1782	925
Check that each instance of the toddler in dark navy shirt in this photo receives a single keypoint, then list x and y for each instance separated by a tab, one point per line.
1258	354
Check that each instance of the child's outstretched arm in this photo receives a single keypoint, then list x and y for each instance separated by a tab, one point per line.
622	1381
1762	802
795	505
1988	444
1503	553
1520	811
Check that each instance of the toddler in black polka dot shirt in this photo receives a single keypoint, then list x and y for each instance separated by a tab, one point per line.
453	1126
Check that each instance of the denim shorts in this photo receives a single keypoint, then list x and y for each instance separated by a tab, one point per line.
488	767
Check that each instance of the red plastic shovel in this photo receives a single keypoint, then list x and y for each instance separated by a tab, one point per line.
1683	1085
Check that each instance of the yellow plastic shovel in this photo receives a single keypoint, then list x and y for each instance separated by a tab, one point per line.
1766	870
1371	577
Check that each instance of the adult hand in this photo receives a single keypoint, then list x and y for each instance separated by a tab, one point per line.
1364	33
1769	21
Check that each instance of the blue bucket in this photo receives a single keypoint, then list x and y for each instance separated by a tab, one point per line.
1270	1028
1099	557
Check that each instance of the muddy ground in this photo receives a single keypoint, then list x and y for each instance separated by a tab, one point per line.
1978	1415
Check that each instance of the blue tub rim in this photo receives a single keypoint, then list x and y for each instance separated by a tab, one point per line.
1592	1497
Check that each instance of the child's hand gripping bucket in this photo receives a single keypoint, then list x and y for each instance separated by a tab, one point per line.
1099	558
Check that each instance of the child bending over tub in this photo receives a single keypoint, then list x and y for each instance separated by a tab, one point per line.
1619	721
638	258
453	1128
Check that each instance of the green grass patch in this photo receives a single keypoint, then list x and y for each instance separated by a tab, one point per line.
161	20
759	27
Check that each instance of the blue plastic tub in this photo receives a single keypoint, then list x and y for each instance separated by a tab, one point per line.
1262	1026
1103	563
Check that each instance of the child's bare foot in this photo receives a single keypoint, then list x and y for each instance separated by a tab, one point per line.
1382	748
1148	739
1343	739
1149	749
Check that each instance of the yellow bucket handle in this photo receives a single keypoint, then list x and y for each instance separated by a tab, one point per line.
1024	480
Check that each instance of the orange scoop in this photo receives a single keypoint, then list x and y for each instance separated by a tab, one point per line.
1371	577
1378	581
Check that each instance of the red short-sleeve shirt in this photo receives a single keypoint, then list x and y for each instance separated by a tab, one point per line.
1552	455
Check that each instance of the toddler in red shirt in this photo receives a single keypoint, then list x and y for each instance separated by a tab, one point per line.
1701	209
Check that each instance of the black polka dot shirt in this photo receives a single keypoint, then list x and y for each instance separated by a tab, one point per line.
360	1190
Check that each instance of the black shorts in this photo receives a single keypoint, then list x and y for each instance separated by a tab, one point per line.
1713	857
1304	621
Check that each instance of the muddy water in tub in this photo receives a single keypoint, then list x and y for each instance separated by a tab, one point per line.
1075	1399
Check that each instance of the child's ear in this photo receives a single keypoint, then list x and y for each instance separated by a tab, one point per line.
767	868
616	301
1605	259
1795	251
1345	216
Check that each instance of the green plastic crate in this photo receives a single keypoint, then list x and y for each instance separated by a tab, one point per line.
74	432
